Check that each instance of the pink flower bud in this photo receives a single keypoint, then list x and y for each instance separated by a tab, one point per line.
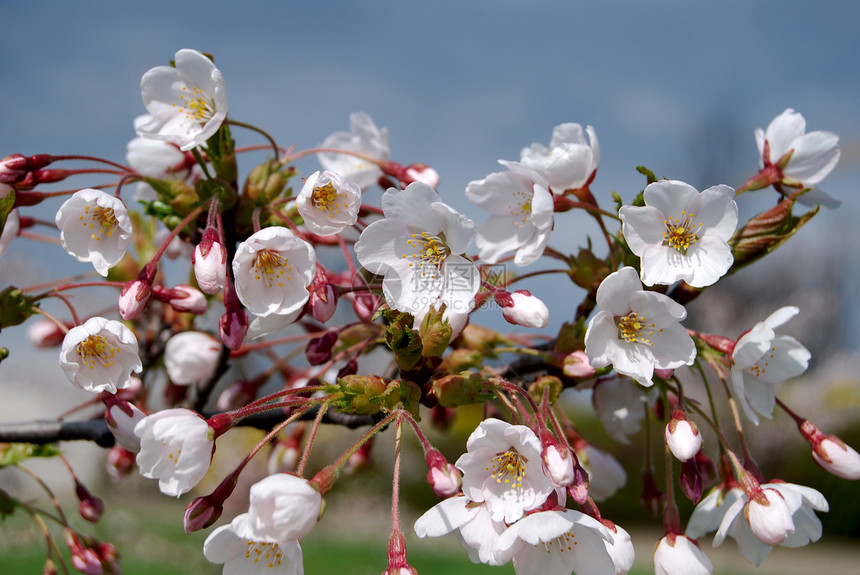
187	299
13	169
323	299
652	498
133	298
397	564
84	559
119	462
45	333
522	308
423	173
682	436
576	365
50	567
831	453
319	349
91	507
691	480
210	263
286	453
578	489
234	323
444	478
769	516
557	461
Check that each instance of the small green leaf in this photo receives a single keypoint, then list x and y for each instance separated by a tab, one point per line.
13	453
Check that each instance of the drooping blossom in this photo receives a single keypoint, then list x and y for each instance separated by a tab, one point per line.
681	234
244	551
176	447
95	227
191	357
635	330
284	507
569	162
682	436
521	214
363	138
800	159
210	262
187	103
502	467
605	474
831	453
476	530
122	417
761	359
417	247
620	406
677	554
273	269
100	355
328	203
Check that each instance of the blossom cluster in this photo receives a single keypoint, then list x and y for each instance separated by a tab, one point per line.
261	288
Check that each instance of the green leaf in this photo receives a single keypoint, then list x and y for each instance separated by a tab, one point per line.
13	453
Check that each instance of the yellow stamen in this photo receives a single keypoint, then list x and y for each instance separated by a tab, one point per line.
272	266
635	329
508	467
104	218
96	348
680	234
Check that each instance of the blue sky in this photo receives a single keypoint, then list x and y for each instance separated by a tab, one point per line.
678	86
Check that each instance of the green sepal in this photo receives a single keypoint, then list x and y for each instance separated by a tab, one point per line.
13	453
15	307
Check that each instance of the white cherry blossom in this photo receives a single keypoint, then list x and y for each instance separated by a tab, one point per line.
284	507
635	330
605	474
191	357
521	214
476	530
364	138
620	406
834	456
100	355
677	554
681	234
187	103
569	162
243	551
417	247
95	227
273	269
176	447
328	203
502	467
761	359
682	436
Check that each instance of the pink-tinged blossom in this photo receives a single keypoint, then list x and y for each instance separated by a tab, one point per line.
243	551
635	330
576	364
184	298
210	263
558	542
476	530
157	159
677	554
682	436
328	203
502	466
45	333
522	308
100	355
417	246
187	103
834	456
122	417
273	269
558	463
761	359
363	138
681	234
190	357
133	299
176	447
95	227
569	162
605	474
521	214
284	507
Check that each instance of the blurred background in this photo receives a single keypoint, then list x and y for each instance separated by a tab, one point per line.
676	86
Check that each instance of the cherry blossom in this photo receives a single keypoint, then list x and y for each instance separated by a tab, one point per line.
476	530
243	551
502	466
273	269
210	263
284	507
569	162
521	214
417	247
679	554
95	227
605	474
522	308
191	357
122	417
761	359
157	159
681	234
363	138
176	447
635	330
328	203
187	103
620	406
682	436
100	355
834	456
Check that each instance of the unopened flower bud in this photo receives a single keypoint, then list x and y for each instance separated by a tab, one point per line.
652	498
548	386
831	453
50	567
210	263
323	299
444	478
691	480
522	308
707	468
557	461
13	169
456	389
677	553
233	325
119	462
286	453
191	357
576	364
769	516
122	417
349	368
182	298
397	564
133	299
682	436
319	349
45	333
578	489
91	507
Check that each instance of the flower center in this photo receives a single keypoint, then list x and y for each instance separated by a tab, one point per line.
272	266
428	249
562	543
508	467
325	199
759	368
522	206
195	105
634	328
270	553
96	348
680	234
104	218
